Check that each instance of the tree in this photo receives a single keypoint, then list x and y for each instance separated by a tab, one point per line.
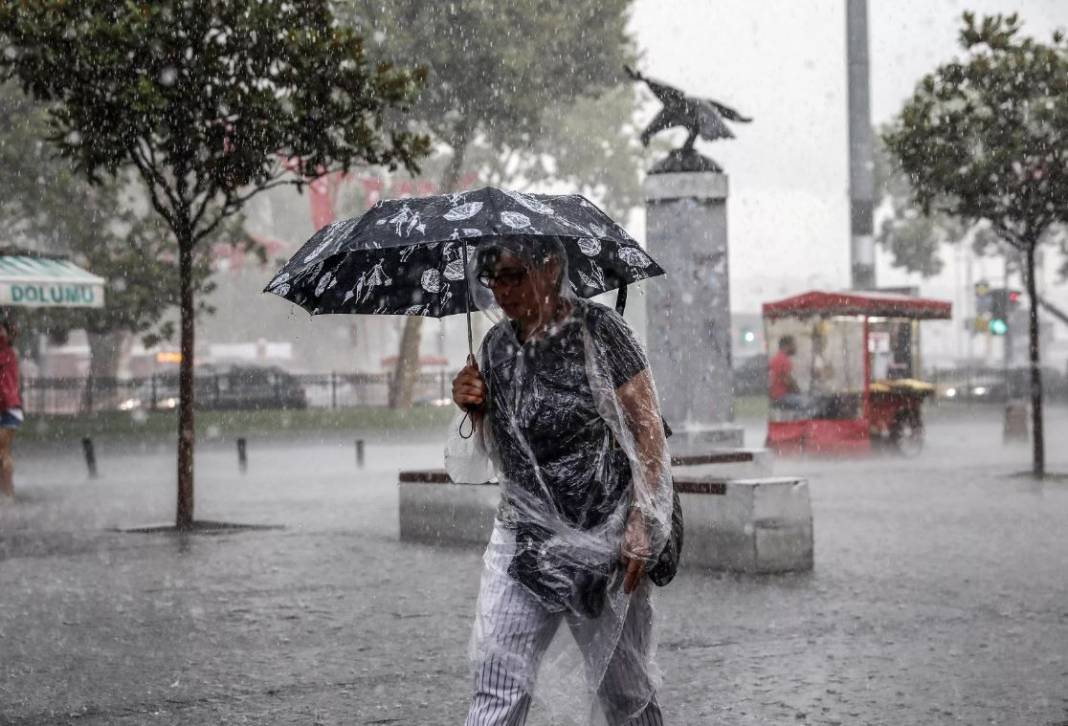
913	238
916	240
210	102
986	138
500	76
45	205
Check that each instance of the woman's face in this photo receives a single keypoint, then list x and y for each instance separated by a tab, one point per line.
522	291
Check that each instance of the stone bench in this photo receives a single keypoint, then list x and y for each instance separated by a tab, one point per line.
435	510
755	524
725	463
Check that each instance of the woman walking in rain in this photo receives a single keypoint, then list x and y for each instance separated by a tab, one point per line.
564	406
10	406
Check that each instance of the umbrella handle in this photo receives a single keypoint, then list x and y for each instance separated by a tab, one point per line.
466	419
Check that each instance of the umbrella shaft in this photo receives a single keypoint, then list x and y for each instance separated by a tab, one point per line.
467	303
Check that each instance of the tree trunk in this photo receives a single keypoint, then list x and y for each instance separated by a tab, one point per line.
1039	464
406	370
105	354
184	519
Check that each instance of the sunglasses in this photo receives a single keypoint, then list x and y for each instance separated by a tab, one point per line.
507	278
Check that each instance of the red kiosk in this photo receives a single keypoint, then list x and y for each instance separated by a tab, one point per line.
855	359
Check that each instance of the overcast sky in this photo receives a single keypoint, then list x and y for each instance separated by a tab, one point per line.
783	62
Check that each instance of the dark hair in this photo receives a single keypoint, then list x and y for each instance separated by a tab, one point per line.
486	258
531	249
543	249
786	341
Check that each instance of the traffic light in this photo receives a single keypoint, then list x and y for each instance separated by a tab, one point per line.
748	336
982	298
983	302
1003	302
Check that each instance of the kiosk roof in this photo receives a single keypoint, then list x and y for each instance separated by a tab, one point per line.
869	304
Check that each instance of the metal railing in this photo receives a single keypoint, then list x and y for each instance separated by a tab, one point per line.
225	391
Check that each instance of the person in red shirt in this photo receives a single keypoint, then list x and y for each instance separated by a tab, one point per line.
10	405
782	388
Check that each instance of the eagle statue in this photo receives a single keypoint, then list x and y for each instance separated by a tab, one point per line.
699	116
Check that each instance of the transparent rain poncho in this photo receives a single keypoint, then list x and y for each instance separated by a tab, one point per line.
571	429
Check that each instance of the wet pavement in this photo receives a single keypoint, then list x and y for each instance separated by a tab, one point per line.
940	595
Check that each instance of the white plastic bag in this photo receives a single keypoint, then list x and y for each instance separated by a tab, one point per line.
466	460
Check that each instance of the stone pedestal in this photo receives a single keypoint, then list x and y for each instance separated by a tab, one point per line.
688	311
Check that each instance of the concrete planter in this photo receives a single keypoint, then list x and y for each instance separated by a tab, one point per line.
750	524
746	525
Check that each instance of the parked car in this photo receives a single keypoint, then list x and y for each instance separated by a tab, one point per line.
1054	385
158	393
989	385
751	376
980	388
223	388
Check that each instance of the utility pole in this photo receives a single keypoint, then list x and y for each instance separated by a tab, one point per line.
1006	339
969	283
861	149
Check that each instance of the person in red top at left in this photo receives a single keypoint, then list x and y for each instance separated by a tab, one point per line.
10	405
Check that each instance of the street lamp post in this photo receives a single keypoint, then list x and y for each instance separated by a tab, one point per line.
861	154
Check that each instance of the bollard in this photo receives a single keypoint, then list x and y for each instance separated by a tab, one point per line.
242	455
1015	422
90	456
359	453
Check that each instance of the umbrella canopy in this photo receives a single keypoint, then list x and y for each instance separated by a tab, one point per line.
408	256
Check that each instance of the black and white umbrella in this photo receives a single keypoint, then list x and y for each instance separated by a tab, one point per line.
409	256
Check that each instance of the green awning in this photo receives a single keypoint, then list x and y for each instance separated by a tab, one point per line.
43	282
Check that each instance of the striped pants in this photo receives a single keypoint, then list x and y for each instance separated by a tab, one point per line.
513	631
